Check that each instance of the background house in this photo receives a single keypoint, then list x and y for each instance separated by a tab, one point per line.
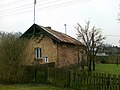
47	45
108	51
108	54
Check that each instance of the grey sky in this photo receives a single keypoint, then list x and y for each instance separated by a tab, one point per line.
17	15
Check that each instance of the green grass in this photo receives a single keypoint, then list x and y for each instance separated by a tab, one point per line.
31	87
108	68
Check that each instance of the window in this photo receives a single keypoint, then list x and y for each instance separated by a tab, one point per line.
46	59
38	53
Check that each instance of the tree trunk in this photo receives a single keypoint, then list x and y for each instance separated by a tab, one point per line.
90	65
93	65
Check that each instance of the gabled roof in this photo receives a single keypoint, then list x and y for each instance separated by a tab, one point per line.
60	37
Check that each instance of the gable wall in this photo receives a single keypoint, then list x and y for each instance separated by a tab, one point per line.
49	49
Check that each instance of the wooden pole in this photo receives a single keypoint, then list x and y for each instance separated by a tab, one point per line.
34	11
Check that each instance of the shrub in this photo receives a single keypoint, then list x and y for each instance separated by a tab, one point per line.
11	57
103	61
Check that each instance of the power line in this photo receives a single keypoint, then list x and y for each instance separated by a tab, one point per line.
25	5
22	7
17	13
7	4
28	7
64	4
13	2
49	2
113	35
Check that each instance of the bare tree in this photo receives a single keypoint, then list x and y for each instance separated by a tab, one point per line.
92	39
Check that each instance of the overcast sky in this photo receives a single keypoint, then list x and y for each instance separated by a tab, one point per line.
17	15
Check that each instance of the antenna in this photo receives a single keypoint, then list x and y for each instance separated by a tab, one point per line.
65	29
34	11
119	43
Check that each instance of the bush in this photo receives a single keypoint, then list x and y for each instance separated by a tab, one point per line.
11	57
103	61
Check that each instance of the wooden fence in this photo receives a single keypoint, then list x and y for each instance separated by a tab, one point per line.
95	81
82	80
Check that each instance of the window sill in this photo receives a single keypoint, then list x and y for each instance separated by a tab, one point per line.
38	59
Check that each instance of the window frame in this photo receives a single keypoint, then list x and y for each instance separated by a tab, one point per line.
38	53
46	60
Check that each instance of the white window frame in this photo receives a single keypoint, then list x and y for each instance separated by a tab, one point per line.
38	53
46	60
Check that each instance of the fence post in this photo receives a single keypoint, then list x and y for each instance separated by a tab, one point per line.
35	73
48	75
76	79
68	78
108	81
119	82
115	81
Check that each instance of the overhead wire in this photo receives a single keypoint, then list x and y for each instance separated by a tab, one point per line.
20	6
6	4
14	2
113	35
24	6
17	8
10	4
63	4
29	7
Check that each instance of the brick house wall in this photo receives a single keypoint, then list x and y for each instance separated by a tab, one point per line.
60	53
67	54
49	49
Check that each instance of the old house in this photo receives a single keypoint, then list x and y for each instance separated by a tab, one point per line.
108	51
47	45
108	54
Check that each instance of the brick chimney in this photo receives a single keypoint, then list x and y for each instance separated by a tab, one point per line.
48	27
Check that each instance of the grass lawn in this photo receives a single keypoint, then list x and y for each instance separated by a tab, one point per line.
31	87
108	68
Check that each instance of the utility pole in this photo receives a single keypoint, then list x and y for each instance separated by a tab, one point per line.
34	11
65	29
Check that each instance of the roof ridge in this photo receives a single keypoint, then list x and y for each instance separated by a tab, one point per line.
46	29
67	38
61	33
